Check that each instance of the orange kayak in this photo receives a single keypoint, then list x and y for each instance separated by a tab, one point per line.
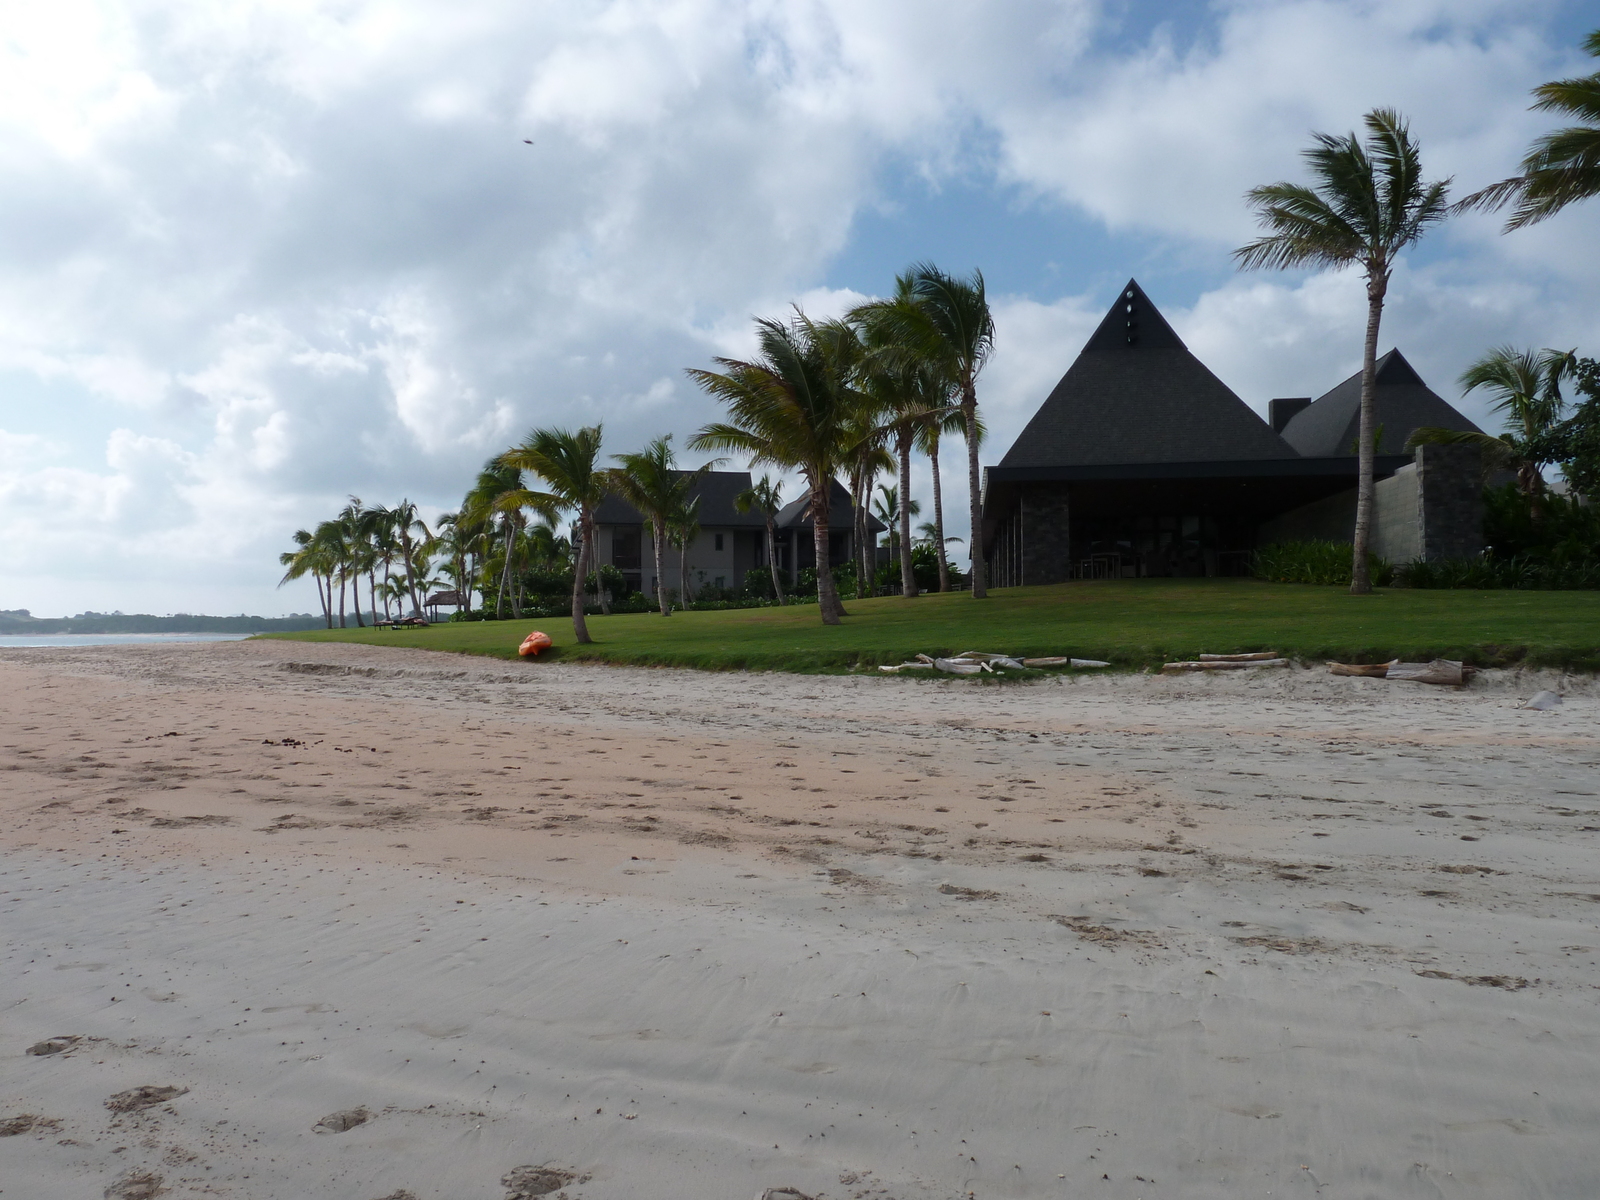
533	643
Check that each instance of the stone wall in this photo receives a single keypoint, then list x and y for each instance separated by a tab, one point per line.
1046	545
1397	523
1451	490
1431	508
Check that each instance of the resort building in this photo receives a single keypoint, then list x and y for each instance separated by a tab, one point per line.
730	543
1141	462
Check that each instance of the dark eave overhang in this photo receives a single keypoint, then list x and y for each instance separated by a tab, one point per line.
1251	468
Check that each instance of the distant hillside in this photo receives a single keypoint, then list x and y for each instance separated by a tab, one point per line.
19	620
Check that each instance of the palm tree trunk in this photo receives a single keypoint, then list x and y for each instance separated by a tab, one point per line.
1360	577
658	539
938	518
325	598
858	533
505	570
908	579
969	414
683	574
599	583
341	597
355	592
827	595
580	627
411	572
772	560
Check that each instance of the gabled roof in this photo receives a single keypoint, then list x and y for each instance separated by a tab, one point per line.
1328	426
793	515
1135	394
716	491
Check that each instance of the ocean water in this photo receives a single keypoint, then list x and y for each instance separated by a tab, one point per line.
8	640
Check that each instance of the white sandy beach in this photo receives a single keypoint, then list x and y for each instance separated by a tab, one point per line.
680	936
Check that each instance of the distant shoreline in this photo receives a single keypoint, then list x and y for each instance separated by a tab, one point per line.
104	623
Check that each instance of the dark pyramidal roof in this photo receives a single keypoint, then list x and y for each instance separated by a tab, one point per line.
1327	427
1136	394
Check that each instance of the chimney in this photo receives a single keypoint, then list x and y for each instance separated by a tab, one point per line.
1280	412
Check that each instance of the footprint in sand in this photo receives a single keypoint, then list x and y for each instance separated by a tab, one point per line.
343	1120
524	1183
27	1123
142	1186
56	1045
145	1096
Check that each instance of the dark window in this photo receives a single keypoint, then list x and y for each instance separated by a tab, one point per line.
625	549
719	541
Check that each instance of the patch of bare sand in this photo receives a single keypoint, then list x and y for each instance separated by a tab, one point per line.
859	936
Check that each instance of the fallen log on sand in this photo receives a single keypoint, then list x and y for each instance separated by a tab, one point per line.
1443	671
1369	670
1257	656
1180	668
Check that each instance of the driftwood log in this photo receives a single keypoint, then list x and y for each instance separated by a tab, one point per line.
1444	671
1257	656
1179	668
1370	670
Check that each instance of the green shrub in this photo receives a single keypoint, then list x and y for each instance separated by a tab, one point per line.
1316	562
1490	572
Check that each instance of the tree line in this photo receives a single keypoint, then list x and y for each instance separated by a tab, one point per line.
849	398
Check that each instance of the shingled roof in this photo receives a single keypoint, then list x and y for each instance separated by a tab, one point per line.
1327	427
793	515
716	491
1135	394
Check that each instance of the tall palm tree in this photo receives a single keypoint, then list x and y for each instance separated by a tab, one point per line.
897	514
651	481
767	497
569	463
1526	386
864	458
408	523
1560	167
1368	204
949	420
790	407
683	527
308	559
946	322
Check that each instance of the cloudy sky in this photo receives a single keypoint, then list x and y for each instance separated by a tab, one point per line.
257	257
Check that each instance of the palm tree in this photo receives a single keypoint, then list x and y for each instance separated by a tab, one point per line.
767	497
897	516
1369	203
931	535
569	463
950	421
790	407
309	559
407	522
864	458
683	527
1560	167
499	495
945	322
1526	386
651	481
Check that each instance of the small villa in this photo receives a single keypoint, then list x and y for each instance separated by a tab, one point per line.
730	543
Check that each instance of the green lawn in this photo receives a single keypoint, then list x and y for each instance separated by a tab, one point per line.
1133	623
